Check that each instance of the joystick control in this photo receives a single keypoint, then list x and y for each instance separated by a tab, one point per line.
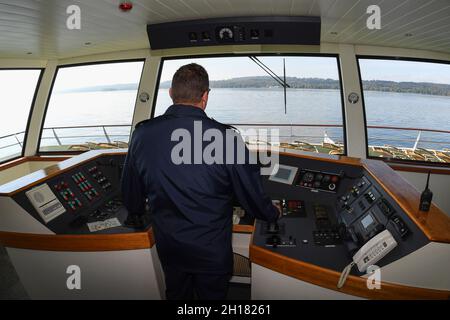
273	241
273	228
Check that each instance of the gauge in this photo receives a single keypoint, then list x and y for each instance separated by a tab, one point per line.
353	98
308	177
225	33
144	97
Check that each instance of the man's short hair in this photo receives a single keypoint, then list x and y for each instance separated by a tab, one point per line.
189	84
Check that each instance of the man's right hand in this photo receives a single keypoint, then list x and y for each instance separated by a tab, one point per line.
280	210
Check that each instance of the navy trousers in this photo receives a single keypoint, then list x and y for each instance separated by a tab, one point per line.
187	286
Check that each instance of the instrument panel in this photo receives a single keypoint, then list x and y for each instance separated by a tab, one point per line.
329	210
333	224
89	196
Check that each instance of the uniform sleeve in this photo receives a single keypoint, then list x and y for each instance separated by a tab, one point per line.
248	189
133	192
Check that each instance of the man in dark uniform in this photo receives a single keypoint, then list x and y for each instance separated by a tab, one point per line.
191	204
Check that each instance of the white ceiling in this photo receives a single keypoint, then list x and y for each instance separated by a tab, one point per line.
37	28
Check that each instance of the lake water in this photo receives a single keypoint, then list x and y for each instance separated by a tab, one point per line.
265	106
259	106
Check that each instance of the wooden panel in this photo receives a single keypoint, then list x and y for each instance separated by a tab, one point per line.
35	178
435	223
78	243
326	278
16	162
47	158
13	163
240	228
321	157
418	169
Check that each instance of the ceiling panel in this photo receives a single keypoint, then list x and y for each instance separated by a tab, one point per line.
37	28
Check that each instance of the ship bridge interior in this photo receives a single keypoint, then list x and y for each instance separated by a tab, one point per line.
356	91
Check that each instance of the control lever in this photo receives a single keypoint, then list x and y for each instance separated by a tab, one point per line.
79	222
273	228
274	241
135	221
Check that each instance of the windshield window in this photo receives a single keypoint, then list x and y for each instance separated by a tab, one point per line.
245	94
407	105
91	107
17	90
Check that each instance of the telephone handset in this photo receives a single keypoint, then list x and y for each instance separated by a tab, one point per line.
369	254
374	250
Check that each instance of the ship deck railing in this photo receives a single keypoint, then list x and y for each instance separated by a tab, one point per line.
328	136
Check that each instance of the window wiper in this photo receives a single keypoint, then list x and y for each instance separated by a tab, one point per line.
273	75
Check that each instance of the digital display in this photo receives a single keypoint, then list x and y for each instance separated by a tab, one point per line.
367	221
283	173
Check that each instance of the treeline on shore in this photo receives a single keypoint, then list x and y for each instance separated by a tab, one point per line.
331	84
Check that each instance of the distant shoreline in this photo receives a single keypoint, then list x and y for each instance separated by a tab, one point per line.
263	82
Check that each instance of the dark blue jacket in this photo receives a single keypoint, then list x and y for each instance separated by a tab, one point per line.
191	204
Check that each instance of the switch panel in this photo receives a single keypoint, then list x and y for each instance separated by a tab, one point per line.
319	181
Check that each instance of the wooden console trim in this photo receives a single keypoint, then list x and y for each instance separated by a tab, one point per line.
78	243
12	163
418	169
435	224
16	162
35	178
88	243
326	278
243	228
47	158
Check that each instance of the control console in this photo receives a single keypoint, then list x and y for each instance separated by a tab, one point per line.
86	199
330	211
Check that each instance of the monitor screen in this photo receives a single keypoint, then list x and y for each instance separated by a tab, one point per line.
367	221
284	174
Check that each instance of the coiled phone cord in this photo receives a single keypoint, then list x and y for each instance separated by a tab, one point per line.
344	274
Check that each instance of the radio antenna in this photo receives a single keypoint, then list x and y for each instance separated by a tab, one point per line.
426	197
428	179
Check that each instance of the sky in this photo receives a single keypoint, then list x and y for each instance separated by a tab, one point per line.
98	74
315	67
17	88
397	70
235	67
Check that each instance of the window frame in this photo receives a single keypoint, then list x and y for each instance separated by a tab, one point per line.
47	103
411	163
260	54
30	113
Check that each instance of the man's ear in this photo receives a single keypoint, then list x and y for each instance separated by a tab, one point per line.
205	96
205	99
170	93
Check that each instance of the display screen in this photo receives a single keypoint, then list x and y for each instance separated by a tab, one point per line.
367	221
283	173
